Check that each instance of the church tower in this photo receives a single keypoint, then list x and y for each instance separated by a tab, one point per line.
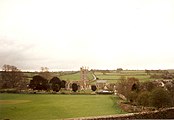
83	77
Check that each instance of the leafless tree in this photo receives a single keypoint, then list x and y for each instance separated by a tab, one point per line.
12	77
45	73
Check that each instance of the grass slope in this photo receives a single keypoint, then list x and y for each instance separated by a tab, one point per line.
46	107
75	76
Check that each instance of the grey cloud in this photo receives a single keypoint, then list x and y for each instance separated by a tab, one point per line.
25	55
14	52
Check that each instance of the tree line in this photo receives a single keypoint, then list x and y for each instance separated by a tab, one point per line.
13	78
40	83
157	94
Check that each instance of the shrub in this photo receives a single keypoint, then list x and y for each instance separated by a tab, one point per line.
93	88
9	91
74	87
63	84
155	76
160	98
38	83
55	83
132	96
148	85
143	98
126	86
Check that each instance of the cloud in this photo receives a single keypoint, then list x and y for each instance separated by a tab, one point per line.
99	33
14	52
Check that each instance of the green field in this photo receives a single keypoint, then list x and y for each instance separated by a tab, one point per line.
52	106
114	76
75	76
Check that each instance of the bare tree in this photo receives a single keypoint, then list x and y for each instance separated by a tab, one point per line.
45	73
126	86
12	77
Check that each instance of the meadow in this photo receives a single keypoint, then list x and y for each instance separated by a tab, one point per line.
54	106
75	76
114	76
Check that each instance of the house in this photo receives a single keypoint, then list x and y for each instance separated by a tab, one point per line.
101	84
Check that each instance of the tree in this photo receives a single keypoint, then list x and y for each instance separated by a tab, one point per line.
45	73
74	87
135	87
147	72
104	71
143	98
170	88
160	98
122	86
148	85
12	77
63	84
126	86
39	83
93	88
119	70
132	96
55	83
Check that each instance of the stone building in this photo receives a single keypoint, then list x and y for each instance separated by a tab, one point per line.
84	81
101	84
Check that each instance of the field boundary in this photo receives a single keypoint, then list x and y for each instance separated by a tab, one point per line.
166	113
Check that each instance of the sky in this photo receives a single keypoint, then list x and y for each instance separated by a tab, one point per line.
99	34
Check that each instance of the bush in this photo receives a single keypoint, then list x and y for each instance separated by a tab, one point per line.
160	98
55	83
148	85
143	98
155	76
126	86
132	96
93	88
38	83
74	87
9	91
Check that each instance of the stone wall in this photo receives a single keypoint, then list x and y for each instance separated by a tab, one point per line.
167	113
127	107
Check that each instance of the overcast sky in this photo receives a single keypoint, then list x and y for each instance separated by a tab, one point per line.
99	34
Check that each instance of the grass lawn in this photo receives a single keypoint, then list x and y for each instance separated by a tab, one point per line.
52	106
